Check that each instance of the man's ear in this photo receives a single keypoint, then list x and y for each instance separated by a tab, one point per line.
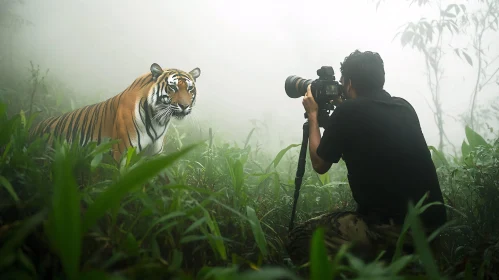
349	83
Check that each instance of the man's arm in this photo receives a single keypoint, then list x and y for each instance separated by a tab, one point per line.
320	166
326	150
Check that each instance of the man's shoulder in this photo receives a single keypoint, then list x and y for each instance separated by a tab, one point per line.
401	100
404	102
360	103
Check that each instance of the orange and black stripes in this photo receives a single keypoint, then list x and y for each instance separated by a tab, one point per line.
89	123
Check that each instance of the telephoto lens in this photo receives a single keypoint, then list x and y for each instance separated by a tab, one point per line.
296	86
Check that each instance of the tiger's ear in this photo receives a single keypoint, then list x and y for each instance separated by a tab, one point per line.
156	70
195	73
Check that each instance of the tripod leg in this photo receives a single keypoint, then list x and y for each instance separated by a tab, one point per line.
300	171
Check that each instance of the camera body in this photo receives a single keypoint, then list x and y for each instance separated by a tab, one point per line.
325	89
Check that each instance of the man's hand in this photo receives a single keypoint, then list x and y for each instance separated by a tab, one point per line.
311	107
337	101
309	103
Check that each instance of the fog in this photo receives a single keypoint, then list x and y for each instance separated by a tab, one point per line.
245	50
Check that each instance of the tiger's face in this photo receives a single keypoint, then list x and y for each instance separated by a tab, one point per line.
174	93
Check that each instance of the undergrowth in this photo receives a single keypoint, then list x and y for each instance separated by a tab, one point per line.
70	212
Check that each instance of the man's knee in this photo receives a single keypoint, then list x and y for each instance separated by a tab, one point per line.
353	228
339	228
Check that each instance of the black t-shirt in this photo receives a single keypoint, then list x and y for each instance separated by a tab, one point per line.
380	139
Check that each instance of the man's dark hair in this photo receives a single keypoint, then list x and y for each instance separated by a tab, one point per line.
365	70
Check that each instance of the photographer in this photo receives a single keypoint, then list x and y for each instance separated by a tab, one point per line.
388	161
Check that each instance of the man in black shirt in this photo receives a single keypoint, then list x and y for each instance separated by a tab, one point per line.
380	140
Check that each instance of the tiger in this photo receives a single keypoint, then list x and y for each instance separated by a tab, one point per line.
139	116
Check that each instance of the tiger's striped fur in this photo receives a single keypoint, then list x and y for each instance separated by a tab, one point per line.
139	116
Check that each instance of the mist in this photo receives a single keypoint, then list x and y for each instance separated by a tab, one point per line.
245	50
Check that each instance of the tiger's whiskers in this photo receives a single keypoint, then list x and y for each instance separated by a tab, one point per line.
163	113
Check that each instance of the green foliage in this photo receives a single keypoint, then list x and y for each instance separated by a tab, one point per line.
193	228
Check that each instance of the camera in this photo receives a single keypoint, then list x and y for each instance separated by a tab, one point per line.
324	89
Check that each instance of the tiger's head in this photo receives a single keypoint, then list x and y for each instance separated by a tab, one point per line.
174	92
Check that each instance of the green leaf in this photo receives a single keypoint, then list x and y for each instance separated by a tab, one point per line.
6	184
406	37
191	238
104	146
163	219
281	154
398	265
130	244
26	262
438	157
468	58
324	178
267	273
421	244
238	175
447	14
320	268
405	227
249	137
195	225
64	223
465	149
474	139
256	228
137	176
466	156
176	261
95	162
216	241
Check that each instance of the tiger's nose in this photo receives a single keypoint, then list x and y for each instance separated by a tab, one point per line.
183	106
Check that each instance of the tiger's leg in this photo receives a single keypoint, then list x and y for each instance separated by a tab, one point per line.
118	149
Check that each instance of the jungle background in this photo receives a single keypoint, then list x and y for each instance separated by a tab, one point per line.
71	213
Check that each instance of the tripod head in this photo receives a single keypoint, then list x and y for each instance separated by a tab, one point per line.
322	117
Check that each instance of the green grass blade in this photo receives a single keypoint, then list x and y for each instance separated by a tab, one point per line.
270	273
257	230
398	265
474	139
64	224
281	154
320	268
421	244
6	184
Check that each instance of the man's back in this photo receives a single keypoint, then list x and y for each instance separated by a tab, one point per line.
387	157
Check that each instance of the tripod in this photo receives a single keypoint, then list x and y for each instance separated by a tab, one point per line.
300	170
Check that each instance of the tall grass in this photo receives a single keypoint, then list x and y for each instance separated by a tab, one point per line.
70	212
